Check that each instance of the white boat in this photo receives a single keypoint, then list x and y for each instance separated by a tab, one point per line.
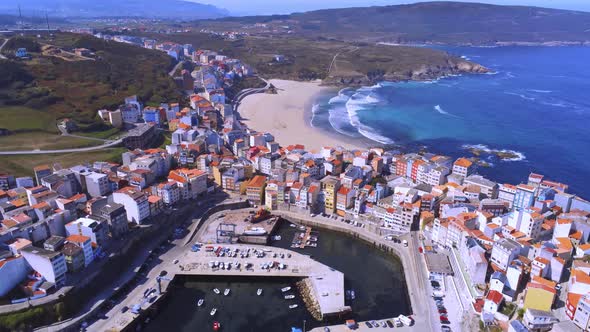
293	306
255	231
276	237
292	225
226	292
285	289
259	291
200	303
213	311
289	297
216	290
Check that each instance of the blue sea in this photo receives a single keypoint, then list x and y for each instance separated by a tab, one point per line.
535	103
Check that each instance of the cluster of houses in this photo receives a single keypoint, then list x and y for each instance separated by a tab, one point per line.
523	243
527	244
62	219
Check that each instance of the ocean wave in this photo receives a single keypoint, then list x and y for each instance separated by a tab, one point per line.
539	91
440	110
518	156
523	96
314	110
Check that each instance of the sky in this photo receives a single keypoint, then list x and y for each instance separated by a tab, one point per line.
265	7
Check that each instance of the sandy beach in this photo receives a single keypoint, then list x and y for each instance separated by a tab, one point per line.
286	115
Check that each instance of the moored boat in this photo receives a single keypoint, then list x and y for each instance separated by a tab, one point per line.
259	291
200	303
216	326
285	289
293	306
216	290
289	297
226	292
213	311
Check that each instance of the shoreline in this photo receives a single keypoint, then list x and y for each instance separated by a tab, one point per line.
287	116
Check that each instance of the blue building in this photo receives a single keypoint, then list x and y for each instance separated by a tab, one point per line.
524	197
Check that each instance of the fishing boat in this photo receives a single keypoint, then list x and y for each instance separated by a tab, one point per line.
293	306
216	290
226	292
200	303
285	289
255	231
289	297
259	291
216	326
213	311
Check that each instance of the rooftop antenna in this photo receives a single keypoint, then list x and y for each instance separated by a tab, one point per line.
20	15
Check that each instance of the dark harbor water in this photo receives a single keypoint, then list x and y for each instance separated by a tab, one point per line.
376	278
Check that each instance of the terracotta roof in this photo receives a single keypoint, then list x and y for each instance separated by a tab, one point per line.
495	297
77	238
463	162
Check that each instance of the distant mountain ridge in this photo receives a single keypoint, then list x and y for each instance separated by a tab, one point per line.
439	22
115	8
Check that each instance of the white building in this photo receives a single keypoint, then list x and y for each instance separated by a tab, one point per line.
135	202
504	251
51	265
97	184
96	230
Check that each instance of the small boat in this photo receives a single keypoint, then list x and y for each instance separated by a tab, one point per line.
285	289
216	290
352	295
302	228
292	225
216	326
213	311
293	306
259	291
289	297
226	292
255	231
200	303
276	237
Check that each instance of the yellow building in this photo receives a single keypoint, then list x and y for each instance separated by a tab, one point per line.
255	189
539	296
330	186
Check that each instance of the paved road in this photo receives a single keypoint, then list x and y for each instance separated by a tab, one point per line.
245	93
2	46
171	73
91	148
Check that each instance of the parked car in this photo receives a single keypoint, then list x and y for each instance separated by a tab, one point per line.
369	325
124	309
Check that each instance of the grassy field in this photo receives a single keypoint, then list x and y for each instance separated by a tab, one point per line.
106	134
43	141
23	165
23	119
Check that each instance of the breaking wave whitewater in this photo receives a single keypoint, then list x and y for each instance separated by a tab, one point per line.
345	108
